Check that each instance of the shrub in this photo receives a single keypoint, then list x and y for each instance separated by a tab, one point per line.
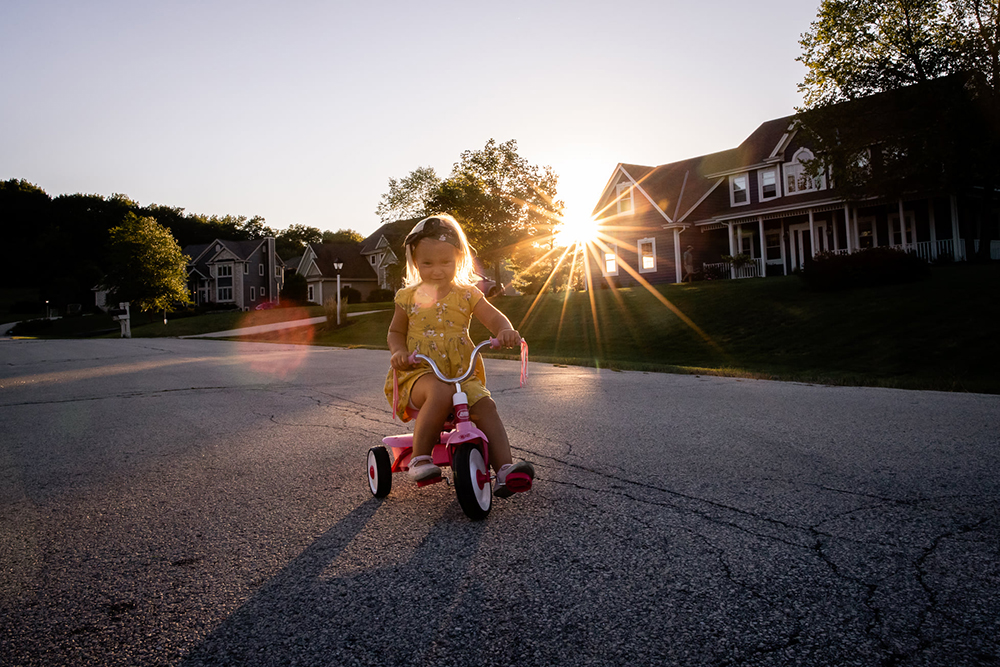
349	295
31	327
865	268
381	296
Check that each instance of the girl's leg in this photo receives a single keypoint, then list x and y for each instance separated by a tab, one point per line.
433	399
484	414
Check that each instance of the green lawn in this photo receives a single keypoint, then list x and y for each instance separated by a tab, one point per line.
941	333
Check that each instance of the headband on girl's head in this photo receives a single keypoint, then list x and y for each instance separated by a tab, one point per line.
433	228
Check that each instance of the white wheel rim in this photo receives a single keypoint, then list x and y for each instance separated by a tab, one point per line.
372	472
477	465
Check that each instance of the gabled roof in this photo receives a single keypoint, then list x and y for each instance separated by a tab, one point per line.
356	267
393	233
673	189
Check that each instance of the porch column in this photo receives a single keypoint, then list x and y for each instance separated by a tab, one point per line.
957	248
812	235
847	229
732	250
933	226
857	233
781	239
763	247
902	226
678	268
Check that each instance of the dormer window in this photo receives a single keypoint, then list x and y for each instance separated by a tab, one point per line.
768	181
739	189
797	178
624	191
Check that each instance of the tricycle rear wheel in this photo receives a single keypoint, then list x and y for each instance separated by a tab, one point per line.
472	481
379	472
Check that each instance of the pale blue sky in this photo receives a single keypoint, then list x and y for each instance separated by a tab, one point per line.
301	111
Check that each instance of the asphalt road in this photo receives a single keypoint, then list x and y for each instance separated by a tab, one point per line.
190	502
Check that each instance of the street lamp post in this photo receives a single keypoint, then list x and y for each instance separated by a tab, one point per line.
338	264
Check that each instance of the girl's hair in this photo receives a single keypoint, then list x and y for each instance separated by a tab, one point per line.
445	228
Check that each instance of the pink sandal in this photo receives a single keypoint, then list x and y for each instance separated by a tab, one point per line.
514	478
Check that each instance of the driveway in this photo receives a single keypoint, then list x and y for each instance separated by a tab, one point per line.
197	502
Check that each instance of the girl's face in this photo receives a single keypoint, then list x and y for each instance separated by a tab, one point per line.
436	261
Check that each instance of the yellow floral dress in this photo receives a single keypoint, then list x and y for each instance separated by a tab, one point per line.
440	330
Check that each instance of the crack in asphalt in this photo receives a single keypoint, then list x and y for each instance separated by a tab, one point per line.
817	542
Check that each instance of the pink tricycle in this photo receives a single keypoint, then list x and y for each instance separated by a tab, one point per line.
462	447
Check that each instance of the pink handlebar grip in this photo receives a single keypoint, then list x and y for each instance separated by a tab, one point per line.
413	358
494	343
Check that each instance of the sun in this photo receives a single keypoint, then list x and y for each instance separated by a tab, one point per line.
576	231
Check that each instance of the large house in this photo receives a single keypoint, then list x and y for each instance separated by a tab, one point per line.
318	264
240	274
757	210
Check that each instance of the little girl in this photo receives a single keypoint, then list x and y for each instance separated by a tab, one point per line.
432	317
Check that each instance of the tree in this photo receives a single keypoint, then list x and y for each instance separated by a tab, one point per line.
292	242
145	265
503	202
342	236
857	48
407	197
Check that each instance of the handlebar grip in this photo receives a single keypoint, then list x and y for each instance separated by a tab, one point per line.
412	358
494	343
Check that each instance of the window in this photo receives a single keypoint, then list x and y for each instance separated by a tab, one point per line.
647	255
253	294
773	242
224	270
312	294
225	294
246	269
277	272
797	178
739	189
624	197
611	262
260	269
768	179
866	233
263	292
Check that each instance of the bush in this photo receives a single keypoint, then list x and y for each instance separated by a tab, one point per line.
349	295
381	296
31	327
865	268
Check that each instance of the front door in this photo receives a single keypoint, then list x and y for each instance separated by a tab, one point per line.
801	244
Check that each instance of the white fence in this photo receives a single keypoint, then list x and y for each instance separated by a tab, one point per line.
752	269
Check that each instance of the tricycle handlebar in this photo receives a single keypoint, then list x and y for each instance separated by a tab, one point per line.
415	357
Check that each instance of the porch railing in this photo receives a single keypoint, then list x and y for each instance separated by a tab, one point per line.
752	269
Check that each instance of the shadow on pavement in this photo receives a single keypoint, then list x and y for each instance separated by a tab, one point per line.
319	610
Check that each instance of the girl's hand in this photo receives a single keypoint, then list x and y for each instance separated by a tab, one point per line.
509	338
400	361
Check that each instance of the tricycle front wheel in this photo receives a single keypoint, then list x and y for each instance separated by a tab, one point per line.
379	472
472	481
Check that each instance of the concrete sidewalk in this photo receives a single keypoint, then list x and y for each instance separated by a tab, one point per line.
275	326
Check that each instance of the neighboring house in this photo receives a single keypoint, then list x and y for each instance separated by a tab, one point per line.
242	274
758	200
317	266
383	250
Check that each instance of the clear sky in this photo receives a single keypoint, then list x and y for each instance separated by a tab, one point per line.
301	111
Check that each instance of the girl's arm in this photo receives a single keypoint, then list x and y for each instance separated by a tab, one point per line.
396	339
497	323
